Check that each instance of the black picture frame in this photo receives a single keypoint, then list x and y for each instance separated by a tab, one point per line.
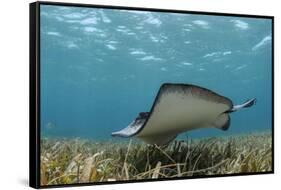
34	90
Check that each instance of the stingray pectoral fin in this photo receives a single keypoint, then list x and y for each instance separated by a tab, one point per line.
159	139
178	108
133	127
222	122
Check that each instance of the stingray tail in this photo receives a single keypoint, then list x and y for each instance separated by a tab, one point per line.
246	104
249	103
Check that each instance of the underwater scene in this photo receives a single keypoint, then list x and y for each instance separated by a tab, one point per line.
137	95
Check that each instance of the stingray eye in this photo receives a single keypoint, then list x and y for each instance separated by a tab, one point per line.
142	114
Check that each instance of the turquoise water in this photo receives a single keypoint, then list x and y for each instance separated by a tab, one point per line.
101	67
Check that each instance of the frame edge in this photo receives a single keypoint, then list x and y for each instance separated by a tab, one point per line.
34	59
34	179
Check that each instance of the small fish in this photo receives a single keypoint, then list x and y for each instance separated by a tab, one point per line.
50	125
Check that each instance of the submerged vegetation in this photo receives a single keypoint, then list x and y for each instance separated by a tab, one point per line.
67	161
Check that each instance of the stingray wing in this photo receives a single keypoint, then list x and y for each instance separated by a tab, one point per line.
133	127
181	107
178	108
222	122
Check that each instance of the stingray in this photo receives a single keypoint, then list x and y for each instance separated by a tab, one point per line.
178	108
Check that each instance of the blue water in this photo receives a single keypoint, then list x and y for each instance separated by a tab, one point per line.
101	67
